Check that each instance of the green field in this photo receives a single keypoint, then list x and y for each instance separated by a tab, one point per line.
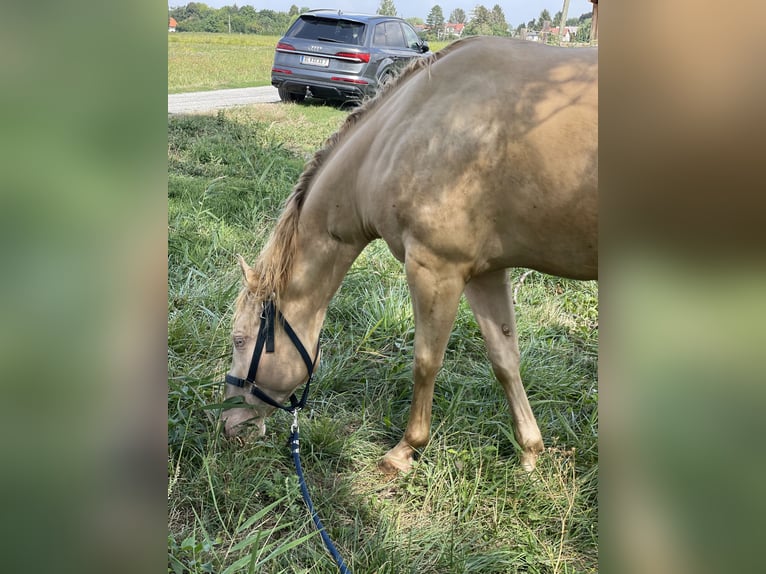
199	61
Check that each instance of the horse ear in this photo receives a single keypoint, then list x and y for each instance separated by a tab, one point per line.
247	272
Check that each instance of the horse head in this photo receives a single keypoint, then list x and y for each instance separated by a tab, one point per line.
269	360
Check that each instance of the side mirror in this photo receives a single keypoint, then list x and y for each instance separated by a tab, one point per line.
424	47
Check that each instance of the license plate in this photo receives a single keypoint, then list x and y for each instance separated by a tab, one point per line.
314	61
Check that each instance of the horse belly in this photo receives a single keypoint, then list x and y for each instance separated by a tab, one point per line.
541	215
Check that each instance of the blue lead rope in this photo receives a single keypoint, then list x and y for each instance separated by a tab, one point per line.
295	449
265	342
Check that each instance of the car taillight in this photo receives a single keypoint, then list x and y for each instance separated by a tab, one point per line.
349	80
359	57
281	71
284	46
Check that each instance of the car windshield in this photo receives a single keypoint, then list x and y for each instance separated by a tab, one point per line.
329	30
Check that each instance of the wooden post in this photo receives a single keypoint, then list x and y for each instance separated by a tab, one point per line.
594	22
563	22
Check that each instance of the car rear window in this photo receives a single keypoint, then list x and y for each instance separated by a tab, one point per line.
329	30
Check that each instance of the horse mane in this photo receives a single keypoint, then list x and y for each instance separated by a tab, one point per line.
274	265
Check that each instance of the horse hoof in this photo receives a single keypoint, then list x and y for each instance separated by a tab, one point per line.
391	466
529	461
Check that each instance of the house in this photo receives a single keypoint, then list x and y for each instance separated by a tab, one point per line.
455	30
531	35
172	24
568	35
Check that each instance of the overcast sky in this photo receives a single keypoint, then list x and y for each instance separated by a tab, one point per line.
516	11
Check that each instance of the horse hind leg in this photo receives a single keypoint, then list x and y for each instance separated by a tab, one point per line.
491	300
436	292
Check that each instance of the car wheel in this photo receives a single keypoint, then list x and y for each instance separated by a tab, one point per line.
385	78
286	96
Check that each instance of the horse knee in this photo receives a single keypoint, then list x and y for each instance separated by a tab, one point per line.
425	366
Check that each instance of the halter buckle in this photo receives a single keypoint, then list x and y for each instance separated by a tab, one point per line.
294	427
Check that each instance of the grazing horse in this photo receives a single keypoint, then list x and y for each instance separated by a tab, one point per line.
481	157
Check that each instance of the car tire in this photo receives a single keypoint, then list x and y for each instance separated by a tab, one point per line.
286	96
385	78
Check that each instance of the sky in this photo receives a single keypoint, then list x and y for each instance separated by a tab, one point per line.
516	11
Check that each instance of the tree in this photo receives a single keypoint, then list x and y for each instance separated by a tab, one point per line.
294	10
480	23
192	17
197	8
435	20
199	17
497	21
387	8
583	31
457	16
544	16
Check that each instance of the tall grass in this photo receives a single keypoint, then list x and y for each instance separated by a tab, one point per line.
205	61
467	506
202	61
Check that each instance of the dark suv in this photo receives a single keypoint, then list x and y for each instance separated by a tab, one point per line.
335	56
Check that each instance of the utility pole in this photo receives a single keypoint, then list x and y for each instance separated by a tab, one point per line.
563	22
230	20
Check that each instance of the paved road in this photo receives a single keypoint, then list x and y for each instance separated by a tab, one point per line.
209	101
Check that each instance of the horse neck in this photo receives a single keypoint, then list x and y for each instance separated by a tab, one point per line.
321	262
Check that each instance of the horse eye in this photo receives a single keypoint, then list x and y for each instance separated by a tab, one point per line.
239	342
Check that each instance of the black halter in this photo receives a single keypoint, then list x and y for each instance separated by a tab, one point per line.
269	316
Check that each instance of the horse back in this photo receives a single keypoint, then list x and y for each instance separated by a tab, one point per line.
487	157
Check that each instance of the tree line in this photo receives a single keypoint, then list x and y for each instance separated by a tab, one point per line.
483	21
199	17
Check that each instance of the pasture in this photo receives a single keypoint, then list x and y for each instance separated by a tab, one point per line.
201	61
467	506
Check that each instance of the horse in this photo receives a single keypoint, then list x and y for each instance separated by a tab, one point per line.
480	157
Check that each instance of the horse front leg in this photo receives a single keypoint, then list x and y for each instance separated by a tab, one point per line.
491	301
435	292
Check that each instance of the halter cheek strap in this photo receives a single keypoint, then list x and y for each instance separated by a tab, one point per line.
265	340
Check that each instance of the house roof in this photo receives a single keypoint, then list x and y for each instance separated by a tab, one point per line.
172	22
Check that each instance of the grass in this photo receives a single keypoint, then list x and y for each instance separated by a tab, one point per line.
200	61
204	61
467	506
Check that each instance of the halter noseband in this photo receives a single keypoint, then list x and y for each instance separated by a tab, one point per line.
269	316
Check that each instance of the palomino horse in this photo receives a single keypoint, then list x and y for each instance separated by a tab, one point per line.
481	157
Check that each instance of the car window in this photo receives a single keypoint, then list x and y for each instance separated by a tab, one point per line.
379	39
328	30
411	37
389	34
